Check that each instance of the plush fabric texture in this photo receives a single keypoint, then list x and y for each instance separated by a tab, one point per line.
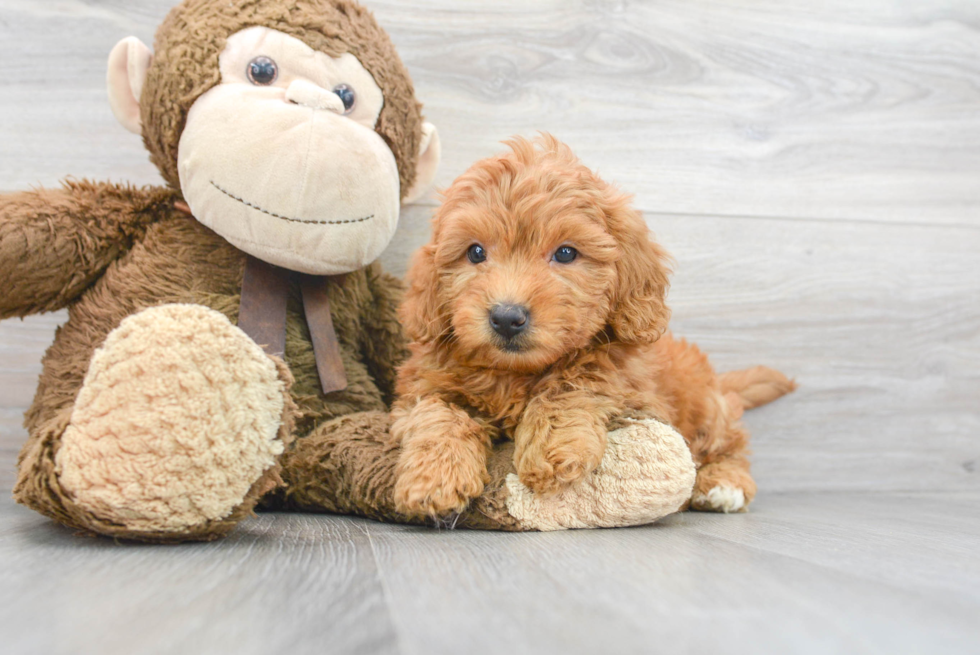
428	164
320	193
192	37
646	473
178	416
128	63
348	465
302	211
55	243
166	257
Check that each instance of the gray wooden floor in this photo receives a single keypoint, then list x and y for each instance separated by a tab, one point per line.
829	573
814	168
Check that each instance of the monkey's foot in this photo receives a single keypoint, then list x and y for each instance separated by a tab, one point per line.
177	424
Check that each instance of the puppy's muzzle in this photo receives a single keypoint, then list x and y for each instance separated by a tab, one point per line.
509	320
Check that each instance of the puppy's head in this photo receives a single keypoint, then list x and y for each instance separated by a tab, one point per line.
532	256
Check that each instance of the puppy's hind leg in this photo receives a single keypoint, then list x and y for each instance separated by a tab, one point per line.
720	449
724	486
724	483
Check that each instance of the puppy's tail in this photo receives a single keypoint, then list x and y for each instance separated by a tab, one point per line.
752	387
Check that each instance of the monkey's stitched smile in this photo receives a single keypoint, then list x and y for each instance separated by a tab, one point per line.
287	218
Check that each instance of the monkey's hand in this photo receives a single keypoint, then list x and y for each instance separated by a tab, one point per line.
55	243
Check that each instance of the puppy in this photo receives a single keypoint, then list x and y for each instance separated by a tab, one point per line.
538	314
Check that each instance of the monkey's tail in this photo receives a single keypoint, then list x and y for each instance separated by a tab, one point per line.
755	386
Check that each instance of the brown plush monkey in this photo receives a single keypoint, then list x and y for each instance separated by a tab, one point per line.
288	134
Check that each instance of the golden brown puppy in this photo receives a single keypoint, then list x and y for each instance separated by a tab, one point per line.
537	313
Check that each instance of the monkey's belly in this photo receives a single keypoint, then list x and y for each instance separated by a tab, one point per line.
181	261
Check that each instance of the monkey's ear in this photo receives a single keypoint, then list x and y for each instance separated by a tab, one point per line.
430	151
128	63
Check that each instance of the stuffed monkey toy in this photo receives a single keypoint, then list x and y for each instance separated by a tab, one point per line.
231	342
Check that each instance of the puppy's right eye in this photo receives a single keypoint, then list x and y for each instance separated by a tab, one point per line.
476	254
565	255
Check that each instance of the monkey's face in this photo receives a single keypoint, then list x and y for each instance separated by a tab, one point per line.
282	160
290	153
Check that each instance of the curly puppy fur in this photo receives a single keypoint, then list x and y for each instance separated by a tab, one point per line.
591	346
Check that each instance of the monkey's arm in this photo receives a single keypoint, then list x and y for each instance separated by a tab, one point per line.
383	340
55	243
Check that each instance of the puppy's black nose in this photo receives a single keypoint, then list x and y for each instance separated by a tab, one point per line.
508	320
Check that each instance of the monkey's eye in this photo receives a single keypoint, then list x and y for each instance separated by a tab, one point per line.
565	255
262	71
476	254
347	96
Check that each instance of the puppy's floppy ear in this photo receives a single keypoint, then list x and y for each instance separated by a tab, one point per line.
639	312
422	314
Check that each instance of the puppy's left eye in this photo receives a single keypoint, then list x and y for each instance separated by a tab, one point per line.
476	254
565	255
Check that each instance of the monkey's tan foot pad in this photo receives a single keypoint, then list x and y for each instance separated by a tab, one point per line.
177	418
645	474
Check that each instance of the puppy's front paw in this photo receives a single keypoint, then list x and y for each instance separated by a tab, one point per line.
559	460
437	481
